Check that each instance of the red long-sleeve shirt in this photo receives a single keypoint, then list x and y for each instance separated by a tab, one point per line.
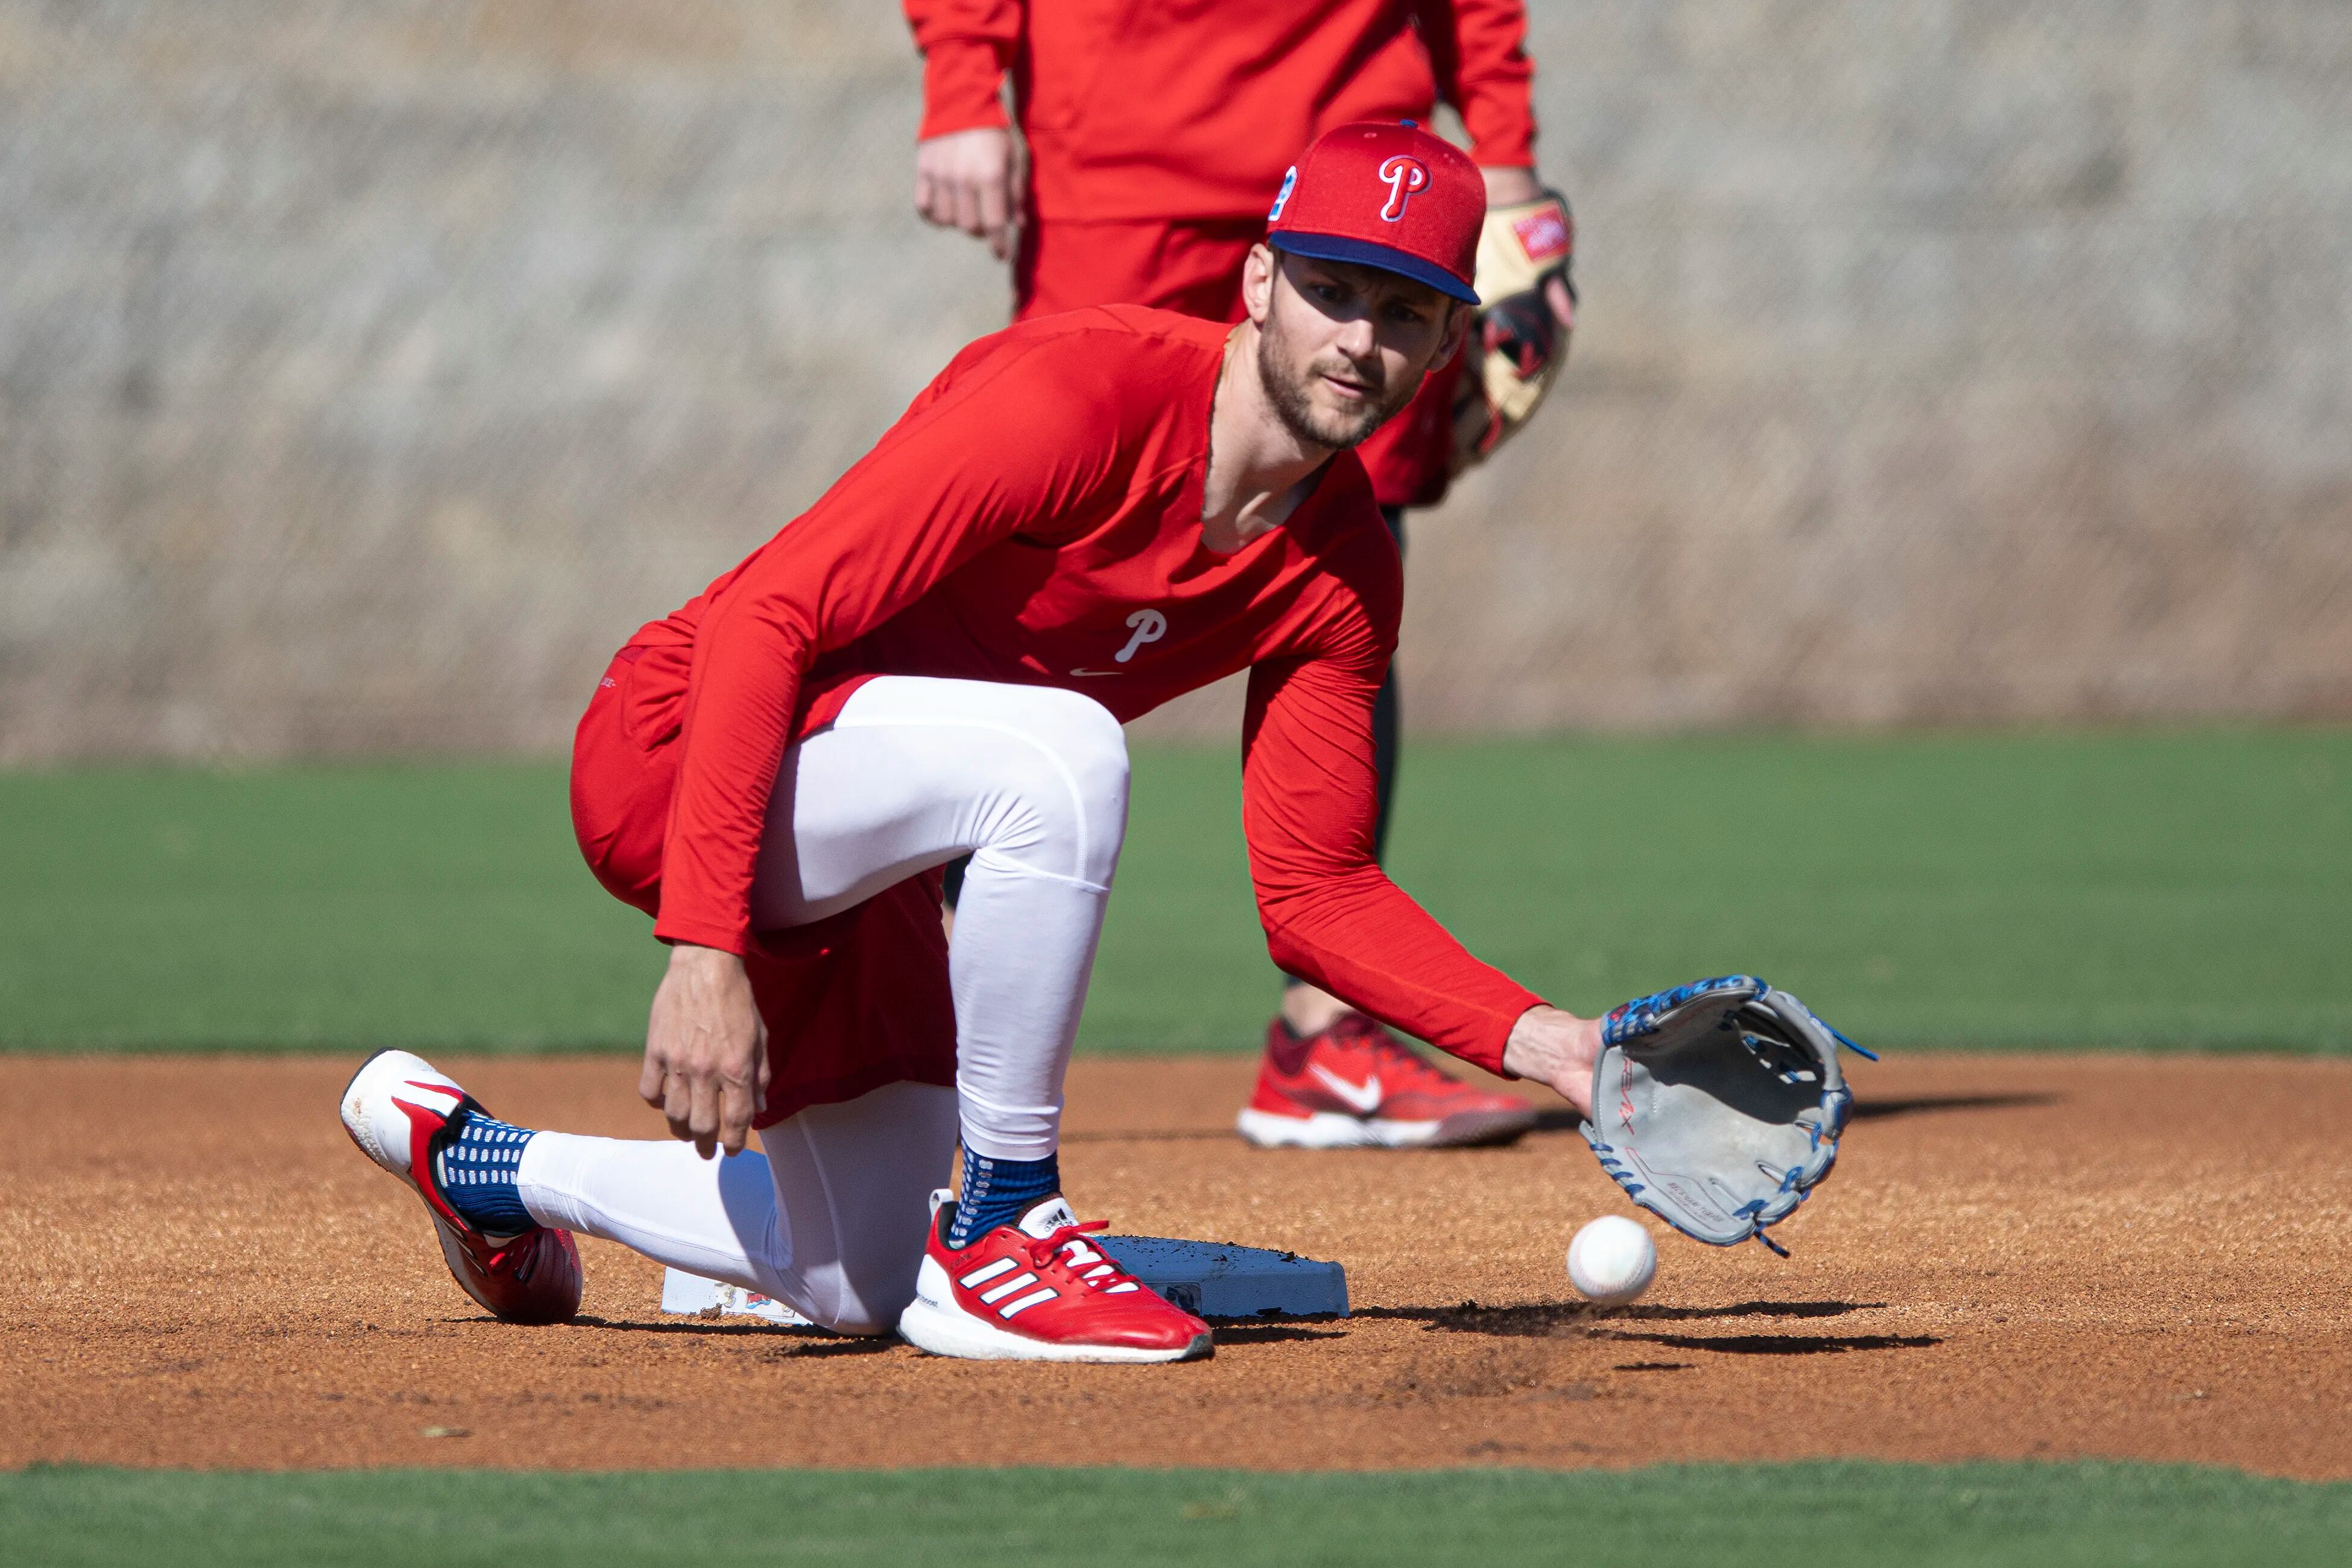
1034	513
1192	108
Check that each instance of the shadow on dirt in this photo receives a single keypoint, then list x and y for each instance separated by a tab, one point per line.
805	1345
1558	1120
1745	1309
799	1342
1774	1344
1553	1319
1919	1104
1229	1332
701	1327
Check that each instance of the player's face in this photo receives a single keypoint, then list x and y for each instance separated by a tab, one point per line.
1343	347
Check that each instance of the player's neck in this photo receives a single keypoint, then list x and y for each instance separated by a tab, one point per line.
1259	471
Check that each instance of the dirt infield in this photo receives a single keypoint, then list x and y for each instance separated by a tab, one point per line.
2018	1257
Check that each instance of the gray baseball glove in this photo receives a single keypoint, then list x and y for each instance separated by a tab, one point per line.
1718	1105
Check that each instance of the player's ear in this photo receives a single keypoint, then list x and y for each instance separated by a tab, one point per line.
1461	316
1258	272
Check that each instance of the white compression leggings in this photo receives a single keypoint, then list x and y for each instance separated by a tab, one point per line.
830	1222
1032	783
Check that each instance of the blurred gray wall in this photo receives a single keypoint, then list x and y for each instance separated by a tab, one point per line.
368	370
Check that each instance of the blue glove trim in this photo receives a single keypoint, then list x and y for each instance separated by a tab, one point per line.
1839	1036
1641	1015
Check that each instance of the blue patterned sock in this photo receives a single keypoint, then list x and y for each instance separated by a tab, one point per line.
476	1172
998	1191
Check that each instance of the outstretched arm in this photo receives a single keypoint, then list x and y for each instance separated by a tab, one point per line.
1331	914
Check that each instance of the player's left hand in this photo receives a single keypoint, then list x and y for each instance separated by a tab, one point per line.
1551	1047
1717	1105
1527	314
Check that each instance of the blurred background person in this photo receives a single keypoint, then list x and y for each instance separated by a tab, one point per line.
1156	138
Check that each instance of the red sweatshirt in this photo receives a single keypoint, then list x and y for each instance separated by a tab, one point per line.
1191	109
1036	510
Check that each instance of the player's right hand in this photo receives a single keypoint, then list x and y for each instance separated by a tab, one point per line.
705	1050
970	180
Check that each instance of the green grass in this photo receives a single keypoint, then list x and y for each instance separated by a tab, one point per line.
309	907
2142	890
1803	1516
2137	891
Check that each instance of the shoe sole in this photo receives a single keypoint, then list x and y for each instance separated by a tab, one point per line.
1334	1130
942	1332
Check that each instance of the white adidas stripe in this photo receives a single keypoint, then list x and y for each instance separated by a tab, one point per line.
1018	1282
981	1275
1026	1302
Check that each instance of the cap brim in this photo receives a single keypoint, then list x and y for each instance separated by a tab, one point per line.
1364	253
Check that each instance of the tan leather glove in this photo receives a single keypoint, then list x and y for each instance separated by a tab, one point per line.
1519	345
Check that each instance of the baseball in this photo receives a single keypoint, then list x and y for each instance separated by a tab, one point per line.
1611	1261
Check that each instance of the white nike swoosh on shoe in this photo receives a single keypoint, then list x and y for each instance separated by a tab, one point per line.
1363	1097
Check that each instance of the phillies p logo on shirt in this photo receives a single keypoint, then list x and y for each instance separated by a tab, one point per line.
1143	627
1404	175
1149	626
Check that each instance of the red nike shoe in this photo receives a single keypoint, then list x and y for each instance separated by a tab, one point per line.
1040	1291
1353	1085
396	1109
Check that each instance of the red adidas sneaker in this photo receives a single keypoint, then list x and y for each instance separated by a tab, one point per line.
1354	1085
1040	1291
395	1108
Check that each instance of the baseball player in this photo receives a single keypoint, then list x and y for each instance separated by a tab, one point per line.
1152	136
1082	517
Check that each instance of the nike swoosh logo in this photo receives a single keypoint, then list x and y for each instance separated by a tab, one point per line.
1363	1098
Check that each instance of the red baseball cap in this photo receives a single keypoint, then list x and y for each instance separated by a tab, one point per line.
1392	196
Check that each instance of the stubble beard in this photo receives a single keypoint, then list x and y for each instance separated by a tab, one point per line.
1295	408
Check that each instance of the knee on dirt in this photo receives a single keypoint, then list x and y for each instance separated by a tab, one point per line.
861	1297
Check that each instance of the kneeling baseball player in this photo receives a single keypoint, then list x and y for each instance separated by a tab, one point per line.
1080	518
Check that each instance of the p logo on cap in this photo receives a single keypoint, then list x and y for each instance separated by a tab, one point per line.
1379	194
1405	175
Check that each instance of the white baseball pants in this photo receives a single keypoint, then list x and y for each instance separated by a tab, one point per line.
1032	783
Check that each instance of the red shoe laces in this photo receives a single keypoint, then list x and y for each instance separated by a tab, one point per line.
1391	1052
1093	1267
